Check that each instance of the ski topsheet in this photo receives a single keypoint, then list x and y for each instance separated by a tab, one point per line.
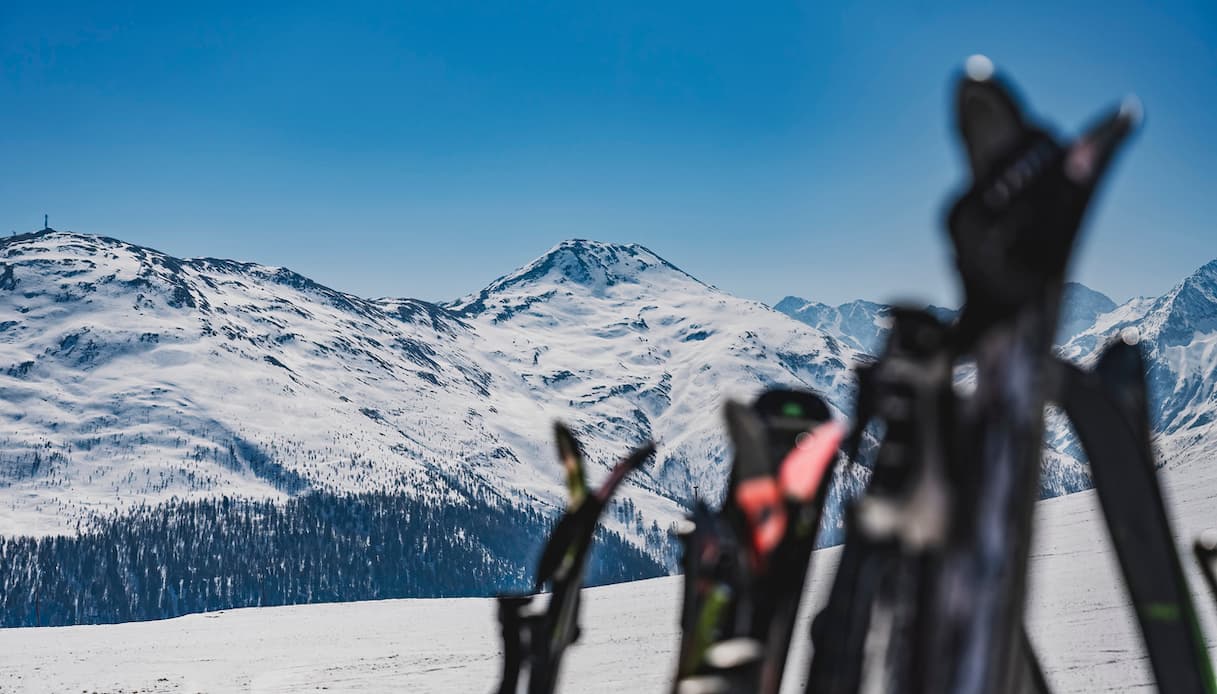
535	640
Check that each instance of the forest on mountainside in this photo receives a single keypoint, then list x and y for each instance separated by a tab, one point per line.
187	556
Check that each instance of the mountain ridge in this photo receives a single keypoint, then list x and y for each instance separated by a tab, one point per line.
863	323
130	375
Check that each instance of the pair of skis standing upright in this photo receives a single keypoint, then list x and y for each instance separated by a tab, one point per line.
930	591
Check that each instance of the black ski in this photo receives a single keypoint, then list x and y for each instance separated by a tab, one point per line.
1109	410
534	641
863	635
802	442
930	594
745	566
1013	233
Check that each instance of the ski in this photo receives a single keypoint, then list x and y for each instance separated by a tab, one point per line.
1013	232
1109	410
930	593
862	635
534	640
745	565
802	443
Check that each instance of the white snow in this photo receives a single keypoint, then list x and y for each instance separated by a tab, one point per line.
1079	620
133	396
129	376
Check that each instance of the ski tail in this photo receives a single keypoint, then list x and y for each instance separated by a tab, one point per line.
1028	197
534	641
560	625
573	532
1109	411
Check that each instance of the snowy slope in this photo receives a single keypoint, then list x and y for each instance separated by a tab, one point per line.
131	376
128	376
631	347
861	324
1079	621
1178	334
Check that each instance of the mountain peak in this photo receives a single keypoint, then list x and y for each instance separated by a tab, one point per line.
594	266
590	263
1080	306
1205	274
1187	309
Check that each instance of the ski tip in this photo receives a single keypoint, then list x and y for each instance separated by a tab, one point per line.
1090	155
571	456
568	445
639	455
1132	110
1207	540
790	412
747	433
978	67
684	527
990	122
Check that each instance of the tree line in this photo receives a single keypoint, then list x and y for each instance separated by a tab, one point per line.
200	555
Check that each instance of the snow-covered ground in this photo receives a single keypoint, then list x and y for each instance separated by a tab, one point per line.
1082	628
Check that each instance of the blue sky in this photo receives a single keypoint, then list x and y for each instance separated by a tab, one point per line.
413	149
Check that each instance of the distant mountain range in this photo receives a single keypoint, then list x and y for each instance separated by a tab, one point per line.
863	324
1177	331
129	377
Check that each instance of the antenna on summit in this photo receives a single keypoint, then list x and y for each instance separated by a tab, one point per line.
45	223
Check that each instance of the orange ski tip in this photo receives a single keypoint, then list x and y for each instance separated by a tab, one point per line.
802	471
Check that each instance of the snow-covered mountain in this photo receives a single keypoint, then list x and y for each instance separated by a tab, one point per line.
129	376
860	324
1178	334
863	325
1081	306
630	347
